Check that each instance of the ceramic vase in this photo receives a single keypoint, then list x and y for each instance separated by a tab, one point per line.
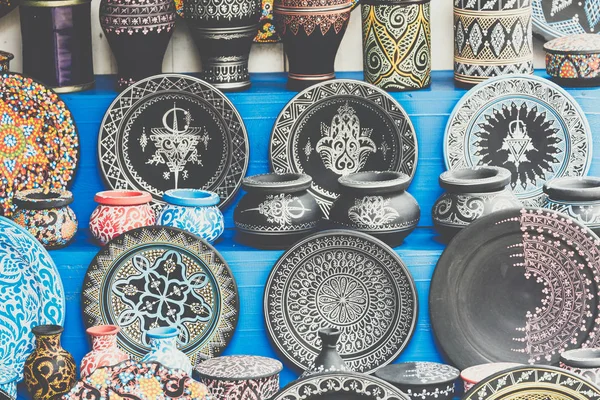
471	193
8	382
277	210
5	59
387	26
376	203
104	352
50	370
223	31
163	349
574	60
193	210
328	359
138	32
47	216
311	31
583	362
120	211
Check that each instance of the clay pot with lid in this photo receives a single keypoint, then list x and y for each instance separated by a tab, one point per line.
583	362
5	59
104	349
120	211
574	60
471	193
376	203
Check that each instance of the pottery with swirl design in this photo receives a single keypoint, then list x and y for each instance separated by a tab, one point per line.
104	349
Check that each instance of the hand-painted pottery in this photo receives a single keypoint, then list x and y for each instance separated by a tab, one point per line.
8	382
473	375
346	280
527	279
526	124
328	360
46	215
224	31
577	197
376	203
31	293
57	43
421	380
120	211
39	144
339	128
471	193
135	380
163	349
557	18
583	362
277	210
5	59
492	38
240	377
164	266
311	31
50	370
138	32
104	349
574	60
397	43
193	210
154	140
266	25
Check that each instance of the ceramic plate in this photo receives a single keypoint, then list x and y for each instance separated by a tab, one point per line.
39	144
341	127
556	18
345	280
517	286
161	276
526	124
173	131
534	383
31	293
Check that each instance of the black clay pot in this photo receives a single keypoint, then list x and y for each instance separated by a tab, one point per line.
328	360
277	211
470	194
422	380
5	59
584	362
224	31
376	203
578	197
311	31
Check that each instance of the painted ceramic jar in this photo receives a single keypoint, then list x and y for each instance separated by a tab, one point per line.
47	216
223	31
421	380
584	362
8	382
471	193
473	375
328	360
311	31
163	349
376	203
138	32
57	43
574	60
5	59
240	377
578	197
387	27
193	210
277	210
120	211
50	370
104	349
492	38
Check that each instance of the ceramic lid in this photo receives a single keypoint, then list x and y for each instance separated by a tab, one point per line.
418	373
240	367
586	43
479	372
581	358
41	199
573	188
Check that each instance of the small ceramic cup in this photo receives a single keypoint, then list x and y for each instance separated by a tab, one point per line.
584	362
193	210
46	215
473	375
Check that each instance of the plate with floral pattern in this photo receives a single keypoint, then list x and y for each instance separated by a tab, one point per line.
557	18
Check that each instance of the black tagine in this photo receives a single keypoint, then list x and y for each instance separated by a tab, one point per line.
517	286
421	380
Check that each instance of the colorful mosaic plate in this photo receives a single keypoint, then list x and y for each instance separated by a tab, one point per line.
173	131
556	18
345	280
517	286
161	276
39	144
526	124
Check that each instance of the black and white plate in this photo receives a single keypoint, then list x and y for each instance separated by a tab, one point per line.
557	18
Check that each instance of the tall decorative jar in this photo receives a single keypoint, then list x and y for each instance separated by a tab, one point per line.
492	37
397	43
57	43
50	370
163	349
5	58
104	349
311	31
138	32
223	31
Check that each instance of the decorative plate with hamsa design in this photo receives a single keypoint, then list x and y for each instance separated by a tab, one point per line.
557	18
526	124
161	276
340	127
